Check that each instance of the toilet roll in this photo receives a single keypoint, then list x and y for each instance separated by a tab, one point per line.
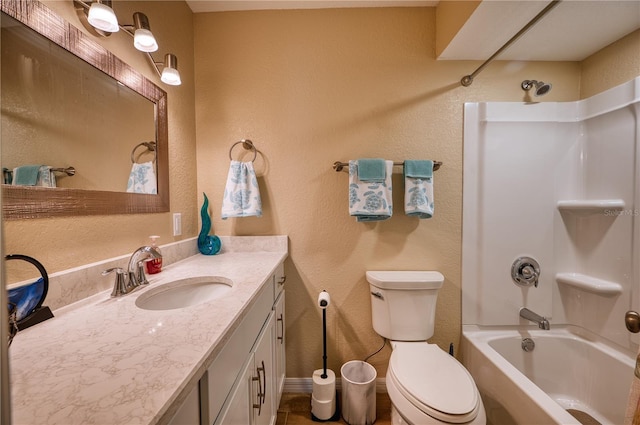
324	299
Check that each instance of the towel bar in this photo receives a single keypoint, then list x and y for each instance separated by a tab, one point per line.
7	174
69	171
339	165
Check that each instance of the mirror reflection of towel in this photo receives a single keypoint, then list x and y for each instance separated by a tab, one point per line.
34	175
46	177
142	179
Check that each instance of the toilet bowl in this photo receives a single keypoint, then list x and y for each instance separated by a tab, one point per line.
426	385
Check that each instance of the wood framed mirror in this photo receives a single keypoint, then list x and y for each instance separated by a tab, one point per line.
21	202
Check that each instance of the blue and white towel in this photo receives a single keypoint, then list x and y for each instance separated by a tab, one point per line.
46	177
418	188
241	193
370	200
142	179
34	175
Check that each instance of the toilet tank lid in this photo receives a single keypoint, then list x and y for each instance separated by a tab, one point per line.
405	279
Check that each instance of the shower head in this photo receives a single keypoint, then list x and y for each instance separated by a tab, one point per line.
541	88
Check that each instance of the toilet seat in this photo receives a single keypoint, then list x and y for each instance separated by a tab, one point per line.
434	382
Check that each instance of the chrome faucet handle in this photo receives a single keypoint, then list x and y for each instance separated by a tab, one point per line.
141	277
121	286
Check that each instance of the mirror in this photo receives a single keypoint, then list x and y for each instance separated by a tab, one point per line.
115	116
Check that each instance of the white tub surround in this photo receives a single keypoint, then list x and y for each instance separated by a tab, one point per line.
106	361
557	182
568	368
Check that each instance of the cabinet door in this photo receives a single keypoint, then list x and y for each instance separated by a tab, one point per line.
279	347
264	406
238	408
189	412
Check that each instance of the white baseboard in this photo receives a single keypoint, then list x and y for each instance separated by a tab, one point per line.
305	385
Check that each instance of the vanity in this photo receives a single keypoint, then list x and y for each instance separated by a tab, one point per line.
122	360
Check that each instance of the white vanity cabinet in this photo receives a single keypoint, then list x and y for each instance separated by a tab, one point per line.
279	347
245	381
189	412
252	400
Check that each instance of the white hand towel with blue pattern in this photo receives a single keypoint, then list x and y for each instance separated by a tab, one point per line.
418	188
46	177
370	200
142	179
241	194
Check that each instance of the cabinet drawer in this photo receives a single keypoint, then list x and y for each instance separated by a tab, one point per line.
224	370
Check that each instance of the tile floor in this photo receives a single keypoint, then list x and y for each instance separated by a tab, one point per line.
295	409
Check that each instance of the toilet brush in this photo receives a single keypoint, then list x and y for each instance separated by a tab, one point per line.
323	398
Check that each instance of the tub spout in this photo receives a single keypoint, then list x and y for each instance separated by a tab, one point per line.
542	322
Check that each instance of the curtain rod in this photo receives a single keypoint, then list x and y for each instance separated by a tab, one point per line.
467	80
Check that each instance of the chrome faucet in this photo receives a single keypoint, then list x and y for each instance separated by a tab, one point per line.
542	322
136	265
135	276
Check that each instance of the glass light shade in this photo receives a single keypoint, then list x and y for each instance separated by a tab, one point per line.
144	40
103	18
171	76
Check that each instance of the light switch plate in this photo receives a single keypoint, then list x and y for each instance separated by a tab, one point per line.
177	224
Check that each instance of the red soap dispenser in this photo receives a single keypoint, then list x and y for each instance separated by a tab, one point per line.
154	265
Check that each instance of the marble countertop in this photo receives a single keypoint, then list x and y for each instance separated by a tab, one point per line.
106	361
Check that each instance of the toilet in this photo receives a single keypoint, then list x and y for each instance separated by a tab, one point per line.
426	385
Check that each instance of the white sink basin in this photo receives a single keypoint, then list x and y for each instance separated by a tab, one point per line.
184	293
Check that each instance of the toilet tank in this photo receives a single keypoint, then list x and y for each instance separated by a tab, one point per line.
403	303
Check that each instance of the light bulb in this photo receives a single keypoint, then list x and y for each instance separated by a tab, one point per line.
144	40
102	17
171	76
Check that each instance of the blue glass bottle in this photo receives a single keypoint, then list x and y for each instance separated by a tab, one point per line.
207	244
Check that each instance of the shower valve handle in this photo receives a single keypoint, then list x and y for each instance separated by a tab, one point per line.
525	271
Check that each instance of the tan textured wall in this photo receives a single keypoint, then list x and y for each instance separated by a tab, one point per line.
615	64
68	242
311	87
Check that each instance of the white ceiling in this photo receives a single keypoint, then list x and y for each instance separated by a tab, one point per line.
571	31
198	6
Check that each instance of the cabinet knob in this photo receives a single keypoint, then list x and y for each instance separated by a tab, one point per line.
632	321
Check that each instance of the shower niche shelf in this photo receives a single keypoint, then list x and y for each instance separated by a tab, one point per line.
590	284
592	207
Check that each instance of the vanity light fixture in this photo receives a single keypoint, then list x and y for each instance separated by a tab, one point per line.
100	19
169	74
143	38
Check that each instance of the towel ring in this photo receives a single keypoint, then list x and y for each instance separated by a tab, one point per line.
151	147
248	145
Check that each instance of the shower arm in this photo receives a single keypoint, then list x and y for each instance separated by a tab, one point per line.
467	80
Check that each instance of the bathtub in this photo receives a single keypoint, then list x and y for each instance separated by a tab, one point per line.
568	370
